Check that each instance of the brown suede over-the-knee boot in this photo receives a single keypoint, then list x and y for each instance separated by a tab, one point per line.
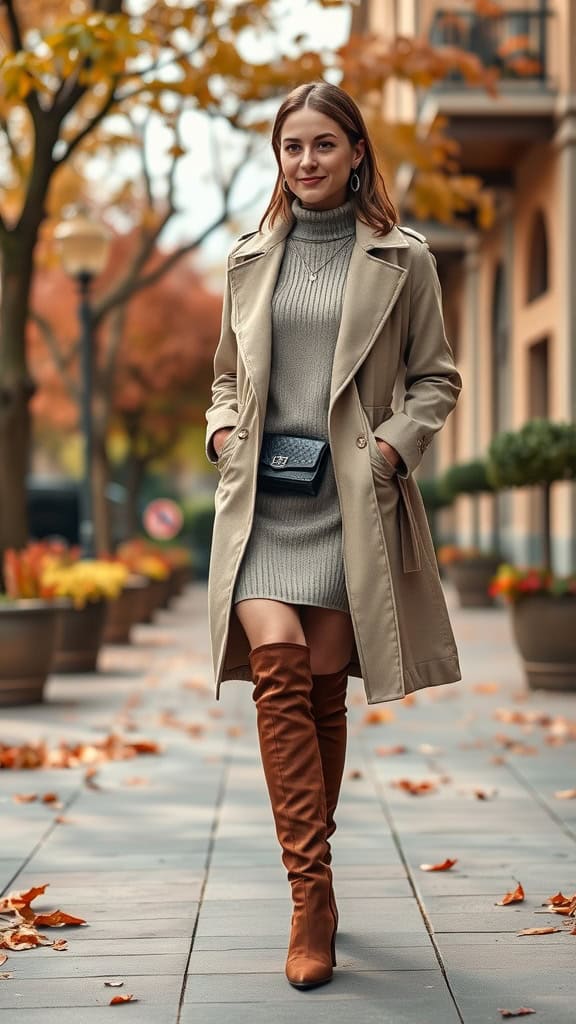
293	772
329	708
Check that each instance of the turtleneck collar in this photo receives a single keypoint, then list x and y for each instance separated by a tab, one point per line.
323	225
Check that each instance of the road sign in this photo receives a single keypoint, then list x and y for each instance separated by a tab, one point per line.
163	519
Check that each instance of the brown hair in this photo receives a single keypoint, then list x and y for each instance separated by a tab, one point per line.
371	202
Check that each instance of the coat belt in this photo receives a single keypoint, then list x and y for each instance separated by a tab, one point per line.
409	536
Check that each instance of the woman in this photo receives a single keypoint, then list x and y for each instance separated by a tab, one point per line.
325	305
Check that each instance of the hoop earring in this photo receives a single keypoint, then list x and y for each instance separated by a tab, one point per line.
285	185
354	182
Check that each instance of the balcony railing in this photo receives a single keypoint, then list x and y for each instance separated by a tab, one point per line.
514	42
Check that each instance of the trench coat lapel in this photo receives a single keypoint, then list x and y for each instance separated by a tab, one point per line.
373	285
253	275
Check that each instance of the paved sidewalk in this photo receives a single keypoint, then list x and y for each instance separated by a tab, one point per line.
174	864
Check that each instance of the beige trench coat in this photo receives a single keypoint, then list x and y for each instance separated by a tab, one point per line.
391	330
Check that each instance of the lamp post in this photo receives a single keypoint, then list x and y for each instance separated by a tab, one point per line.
84	246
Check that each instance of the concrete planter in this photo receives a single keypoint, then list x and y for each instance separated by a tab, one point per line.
124	612
545	631
79	637
27	642
471	578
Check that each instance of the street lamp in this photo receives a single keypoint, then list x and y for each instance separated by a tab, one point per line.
84	246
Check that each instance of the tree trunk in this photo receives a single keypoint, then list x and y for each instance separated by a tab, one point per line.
15	391
136	469
100	481
546	526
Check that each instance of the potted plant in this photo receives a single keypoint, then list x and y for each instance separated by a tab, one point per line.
126	610
28	619
89	584
470	569
542	603
146	559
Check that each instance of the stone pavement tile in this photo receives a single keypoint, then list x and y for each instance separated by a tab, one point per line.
479	993
59	861
121	912
113	947
404	995
133	879
96	892
87	992
266	960
395	1009
533	878
539	953
131	928
111	968
358	888
135	1012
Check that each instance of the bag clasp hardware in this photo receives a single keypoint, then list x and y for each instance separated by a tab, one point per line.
279	460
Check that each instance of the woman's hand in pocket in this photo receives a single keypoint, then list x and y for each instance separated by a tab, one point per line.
219	439
388	452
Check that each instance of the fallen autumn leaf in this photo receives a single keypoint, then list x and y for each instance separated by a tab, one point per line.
444	866
517	896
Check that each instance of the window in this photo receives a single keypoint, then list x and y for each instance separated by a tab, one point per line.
538	282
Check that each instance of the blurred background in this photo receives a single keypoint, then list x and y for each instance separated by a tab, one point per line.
134	147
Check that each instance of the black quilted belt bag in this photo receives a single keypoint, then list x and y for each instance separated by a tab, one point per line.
291	465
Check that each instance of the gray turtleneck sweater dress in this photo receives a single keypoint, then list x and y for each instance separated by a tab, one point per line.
294	553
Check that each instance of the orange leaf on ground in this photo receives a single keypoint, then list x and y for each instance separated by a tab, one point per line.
355	773
6	975
486	688
538	931
50	798
413	787
57	919
484	794
517	896
565	794
23	937
560	904
60	944
378	717
61	819
122	999
3	958
521	1012
444	866
17	900
390	751
25	798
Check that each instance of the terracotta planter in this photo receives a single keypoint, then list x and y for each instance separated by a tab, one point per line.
79	638
545	630
27	641
471	578
122	613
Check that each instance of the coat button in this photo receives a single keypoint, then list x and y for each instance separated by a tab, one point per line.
361	441
242	434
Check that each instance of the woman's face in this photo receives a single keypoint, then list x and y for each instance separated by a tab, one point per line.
316	158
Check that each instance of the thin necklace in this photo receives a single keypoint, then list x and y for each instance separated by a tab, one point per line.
313	274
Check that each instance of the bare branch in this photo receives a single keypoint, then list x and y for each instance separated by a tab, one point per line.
89	127
61	362
13	25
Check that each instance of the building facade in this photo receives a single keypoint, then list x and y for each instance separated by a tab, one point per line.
510	291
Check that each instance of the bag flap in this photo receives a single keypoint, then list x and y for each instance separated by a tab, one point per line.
282	454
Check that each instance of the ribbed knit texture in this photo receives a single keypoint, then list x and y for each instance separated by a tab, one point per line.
294	553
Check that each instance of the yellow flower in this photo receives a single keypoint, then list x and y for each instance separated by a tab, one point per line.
87	581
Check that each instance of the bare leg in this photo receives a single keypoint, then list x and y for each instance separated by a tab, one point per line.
269	622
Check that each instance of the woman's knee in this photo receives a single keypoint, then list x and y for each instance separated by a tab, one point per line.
269	622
